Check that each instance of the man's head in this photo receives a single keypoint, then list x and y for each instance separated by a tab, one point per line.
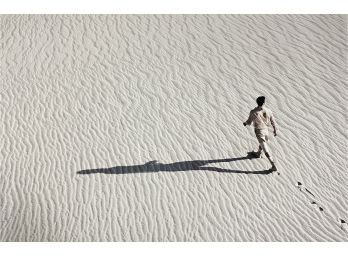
260	100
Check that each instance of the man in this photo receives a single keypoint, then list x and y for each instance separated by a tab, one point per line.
261	117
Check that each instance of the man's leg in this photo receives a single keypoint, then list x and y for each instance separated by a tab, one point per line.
260	150
265	147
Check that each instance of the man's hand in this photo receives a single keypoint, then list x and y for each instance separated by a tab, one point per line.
275	133
244	123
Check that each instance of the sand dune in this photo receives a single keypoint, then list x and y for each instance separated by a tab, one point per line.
129	127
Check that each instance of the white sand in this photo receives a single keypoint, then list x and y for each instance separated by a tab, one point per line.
88	92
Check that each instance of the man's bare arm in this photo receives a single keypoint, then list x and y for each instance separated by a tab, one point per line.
249	120
273	123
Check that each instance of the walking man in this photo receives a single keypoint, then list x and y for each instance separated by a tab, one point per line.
261	117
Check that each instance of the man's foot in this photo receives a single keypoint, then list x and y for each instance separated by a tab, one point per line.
273	168
255	154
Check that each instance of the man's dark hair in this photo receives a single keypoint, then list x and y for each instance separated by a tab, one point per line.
260	100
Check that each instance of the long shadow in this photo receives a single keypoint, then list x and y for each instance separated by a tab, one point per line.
154	166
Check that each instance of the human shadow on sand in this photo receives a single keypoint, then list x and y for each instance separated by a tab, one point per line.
154	166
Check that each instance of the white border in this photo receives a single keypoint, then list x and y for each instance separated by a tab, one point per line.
173	6
173	249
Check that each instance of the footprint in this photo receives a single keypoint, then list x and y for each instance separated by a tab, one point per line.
320	208
344	225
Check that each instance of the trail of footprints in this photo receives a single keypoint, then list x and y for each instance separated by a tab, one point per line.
312	198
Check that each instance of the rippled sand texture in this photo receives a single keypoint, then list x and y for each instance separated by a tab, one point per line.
81	94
